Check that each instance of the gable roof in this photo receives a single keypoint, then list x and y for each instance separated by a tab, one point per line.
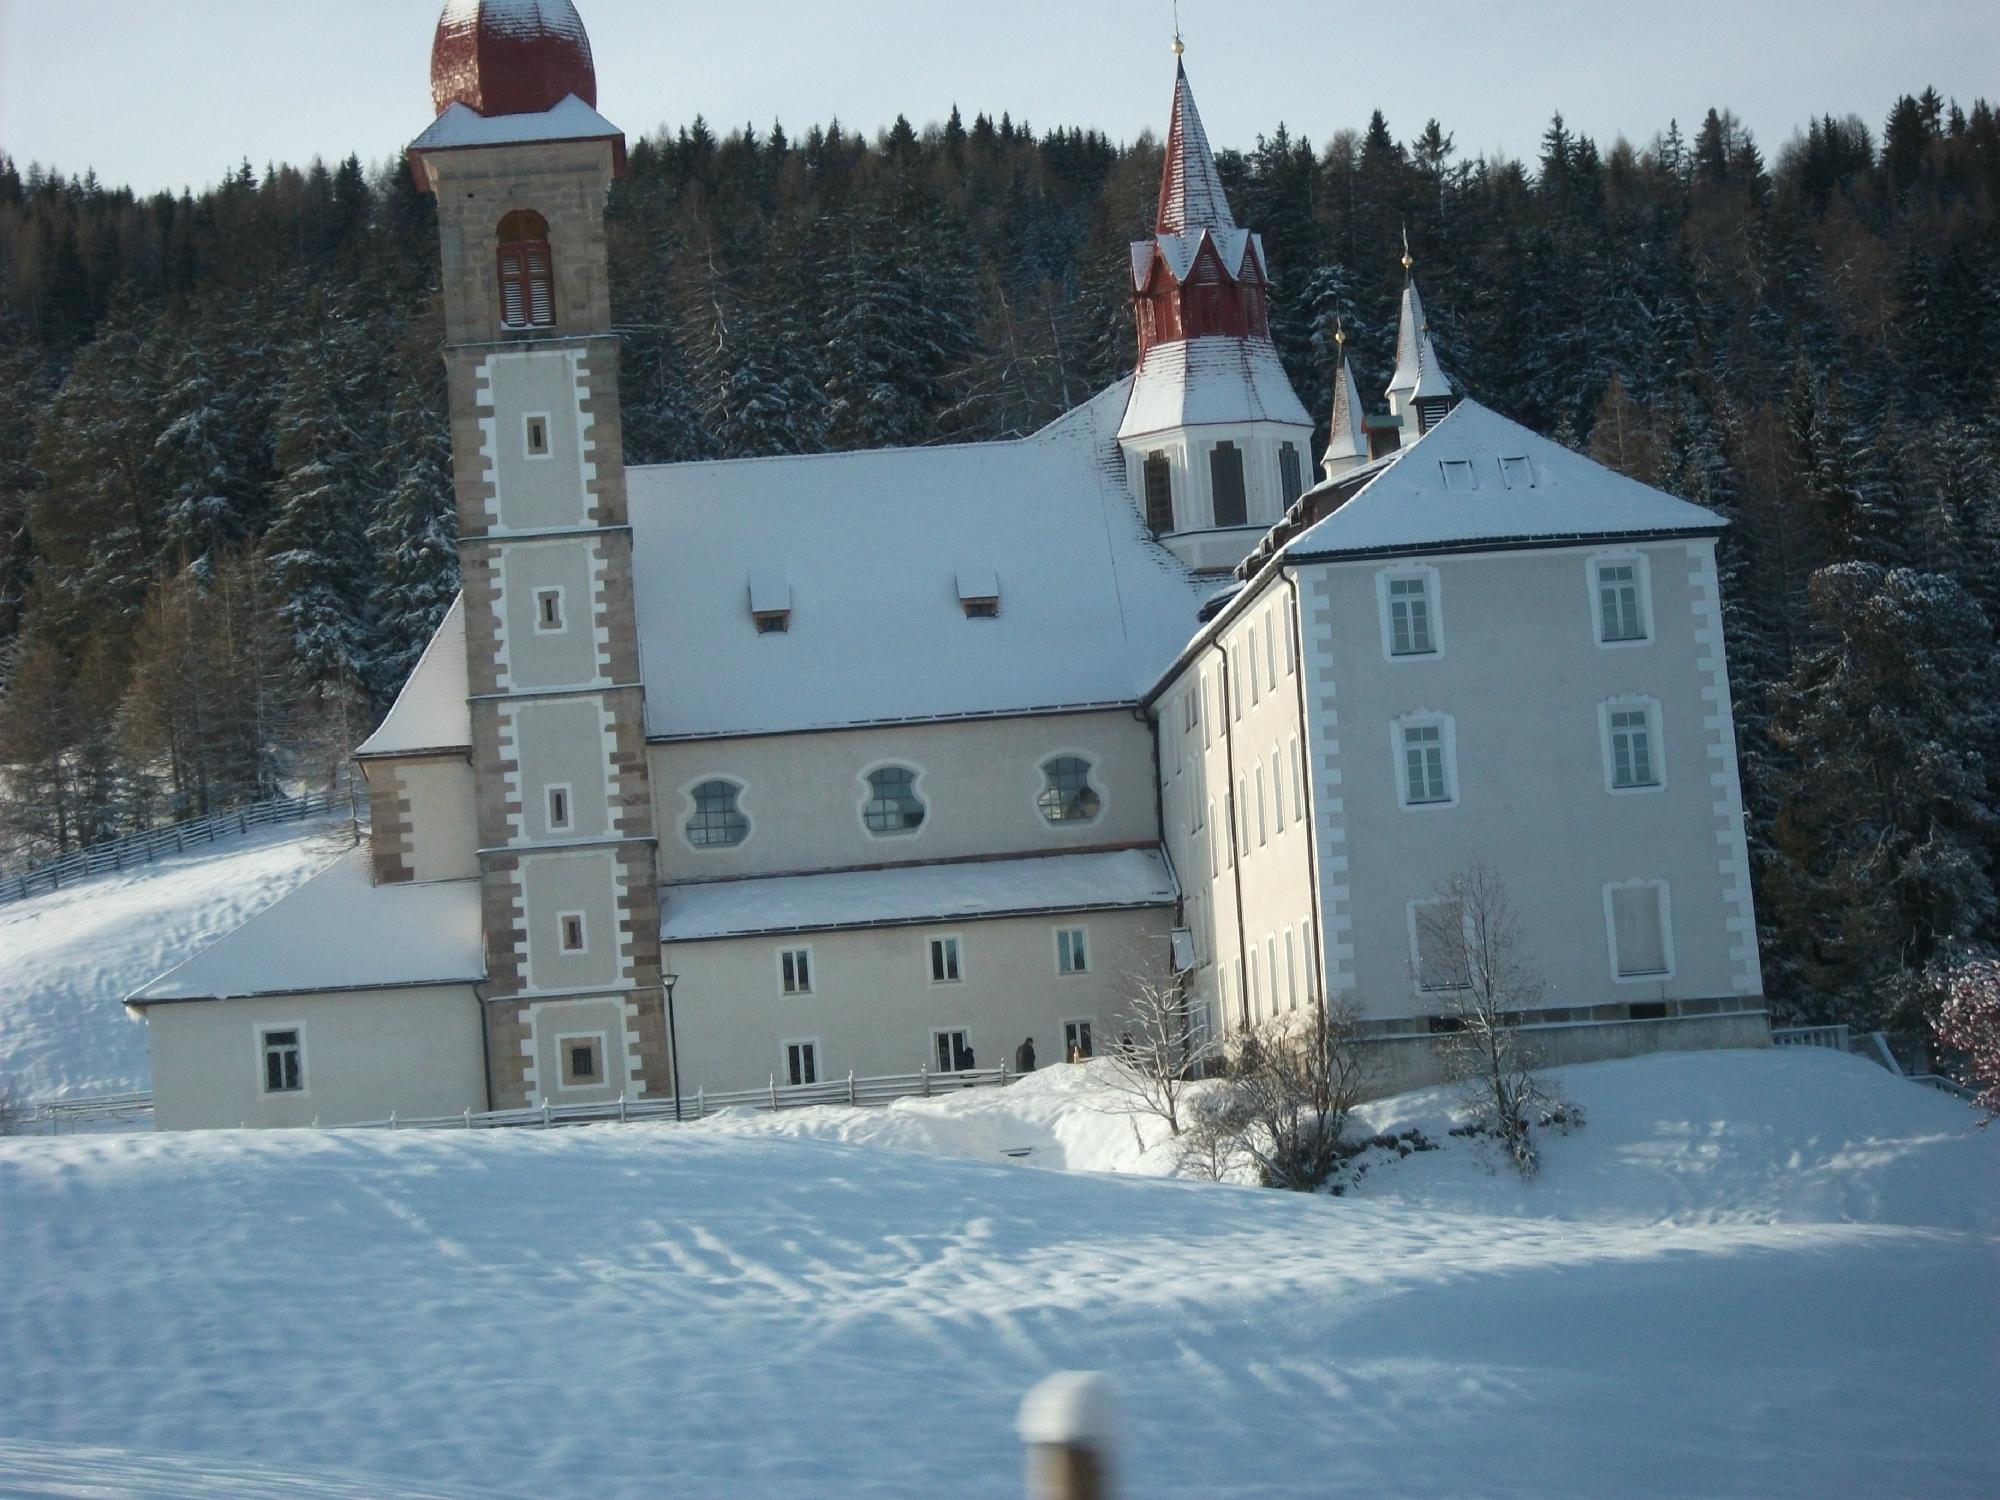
430	713
873	545
1450	491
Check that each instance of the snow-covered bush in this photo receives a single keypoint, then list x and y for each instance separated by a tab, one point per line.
1292	1081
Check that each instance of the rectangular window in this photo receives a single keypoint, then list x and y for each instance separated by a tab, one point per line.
1271	967
1236	671
1271	647
1277	794
548	610
1298	778
1291	646
1291	476
284	1062
1458	475
1631	748
1410	617
1229	834
1423	764
581	1060
1225	475
536	425
953	1050
801	1063
1619	614
558	809
1292	968
1437	944
570	924
1263	830
1070	954
1243	812
944	960
1077	1041
1159	493
795	971
1639	930
1517	473
1253	995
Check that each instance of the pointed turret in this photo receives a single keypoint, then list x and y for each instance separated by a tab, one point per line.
1420	392
1215	439
1347	442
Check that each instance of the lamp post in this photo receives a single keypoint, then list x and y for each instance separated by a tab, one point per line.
673	1040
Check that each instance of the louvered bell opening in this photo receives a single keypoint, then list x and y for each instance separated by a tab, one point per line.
513	291
541	289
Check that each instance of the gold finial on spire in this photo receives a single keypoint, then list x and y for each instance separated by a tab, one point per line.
1179	47
1340	332
1408	259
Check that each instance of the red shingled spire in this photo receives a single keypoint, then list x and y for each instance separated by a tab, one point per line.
511	57
1191	195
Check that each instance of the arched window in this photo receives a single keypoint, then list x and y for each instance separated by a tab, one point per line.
1068	796
893	806
1159	493
527	276
1225	474
717	822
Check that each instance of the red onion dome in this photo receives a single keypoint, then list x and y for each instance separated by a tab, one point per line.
510	57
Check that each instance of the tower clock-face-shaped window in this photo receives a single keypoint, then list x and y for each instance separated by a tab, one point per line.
718	822
1067	795
527	274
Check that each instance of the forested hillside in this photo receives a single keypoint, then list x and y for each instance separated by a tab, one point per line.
225	525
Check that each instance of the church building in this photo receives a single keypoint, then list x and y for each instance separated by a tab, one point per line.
763	772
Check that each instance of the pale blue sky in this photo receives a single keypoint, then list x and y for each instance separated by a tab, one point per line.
171	94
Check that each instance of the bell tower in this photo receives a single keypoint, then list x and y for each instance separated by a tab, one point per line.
1216	442
520	163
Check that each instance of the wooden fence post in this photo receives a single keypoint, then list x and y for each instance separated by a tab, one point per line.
1065	1423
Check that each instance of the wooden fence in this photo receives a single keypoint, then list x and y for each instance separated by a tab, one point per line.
775	1095
144	848
32	1116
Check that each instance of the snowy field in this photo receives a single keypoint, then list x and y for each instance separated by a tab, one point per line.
69	957
1750	1274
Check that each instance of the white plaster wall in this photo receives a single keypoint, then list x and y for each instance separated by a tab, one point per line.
1523	679
444	832
1188	449
586	881
562	741
570	656
1209	784
608	1019
367	1053
536	493
803	793
874	1008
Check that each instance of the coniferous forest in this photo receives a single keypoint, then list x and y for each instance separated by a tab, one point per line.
225	516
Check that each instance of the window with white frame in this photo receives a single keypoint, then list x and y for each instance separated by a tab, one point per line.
1291	473
559	810
570	930
1408	598
1277	793
795	975
1298	776
801	1062
1621	603
1437	944
1271	967
283	1053
1631	735
893	806
580	1060
1071	954
1638	922
1425	751
1253	992
1078	1043
535	433
1271	646
1067	795
945	960
548	611
1263	826
953	1050
717	822
1291	968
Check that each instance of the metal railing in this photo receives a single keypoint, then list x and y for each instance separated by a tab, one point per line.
32	1114
144	848
775	1095
1833	1038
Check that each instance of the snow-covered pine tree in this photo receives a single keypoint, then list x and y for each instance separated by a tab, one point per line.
412	538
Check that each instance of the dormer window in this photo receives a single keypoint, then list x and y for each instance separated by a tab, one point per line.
1458	475
979	593
1517	473
770	603
527	275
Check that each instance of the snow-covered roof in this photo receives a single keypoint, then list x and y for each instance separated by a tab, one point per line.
1477	477
1417	370
338	931
1180	250
1209	381
1191	193
461	126
872	545
430	713
1346	440
907	894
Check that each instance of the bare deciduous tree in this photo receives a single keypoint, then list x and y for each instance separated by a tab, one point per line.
1292	1081
1468	938
1160	1049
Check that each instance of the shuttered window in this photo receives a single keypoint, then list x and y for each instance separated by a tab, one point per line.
1638	930
527	274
